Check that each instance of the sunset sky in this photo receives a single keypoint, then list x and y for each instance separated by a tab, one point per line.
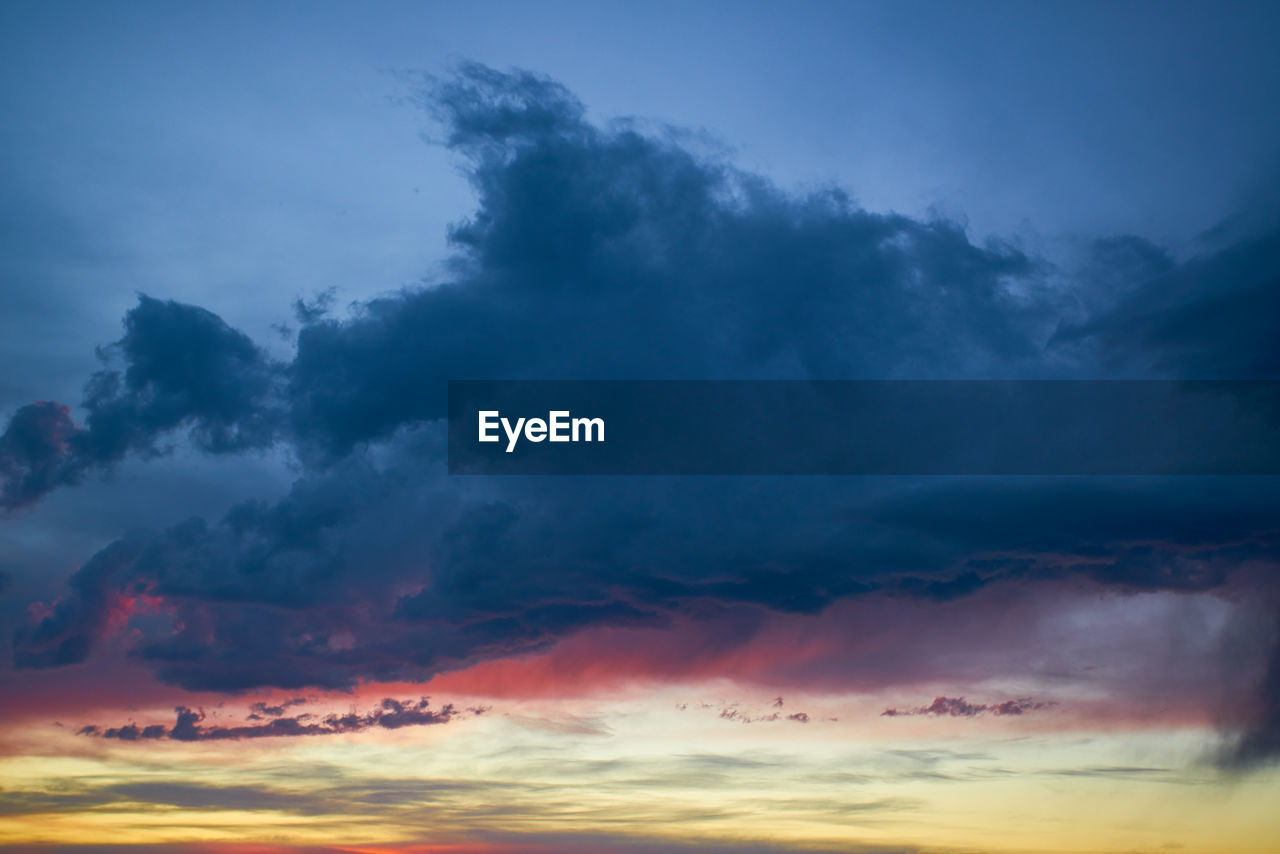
244	607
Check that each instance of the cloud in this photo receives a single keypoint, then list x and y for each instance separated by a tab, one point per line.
169	792
738	712
1213	317
261	708
958	707
600	240
618	238
189	724
67	634
607	252
184	368
34	451
129	732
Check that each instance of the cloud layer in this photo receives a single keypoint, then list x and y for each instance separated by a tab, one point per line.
958	707
608	252
190	723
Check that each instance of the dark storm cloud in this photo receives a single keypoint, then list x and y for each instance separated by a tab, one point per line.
67	633
1214	317
34	451
589	247
184	368
608	253
604	252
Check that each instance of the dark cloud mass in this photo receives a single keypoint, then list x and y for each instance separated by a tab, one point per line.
1214	317
184	368
608	252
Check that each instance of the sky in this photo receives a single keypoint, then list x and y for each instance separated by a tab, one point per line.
244	607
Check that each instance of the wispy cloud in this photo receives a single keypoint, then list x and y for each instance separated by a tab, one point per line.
190	723
959	707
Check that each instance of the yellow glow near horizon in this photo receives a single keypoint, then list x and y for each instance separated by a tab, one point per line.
648	768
